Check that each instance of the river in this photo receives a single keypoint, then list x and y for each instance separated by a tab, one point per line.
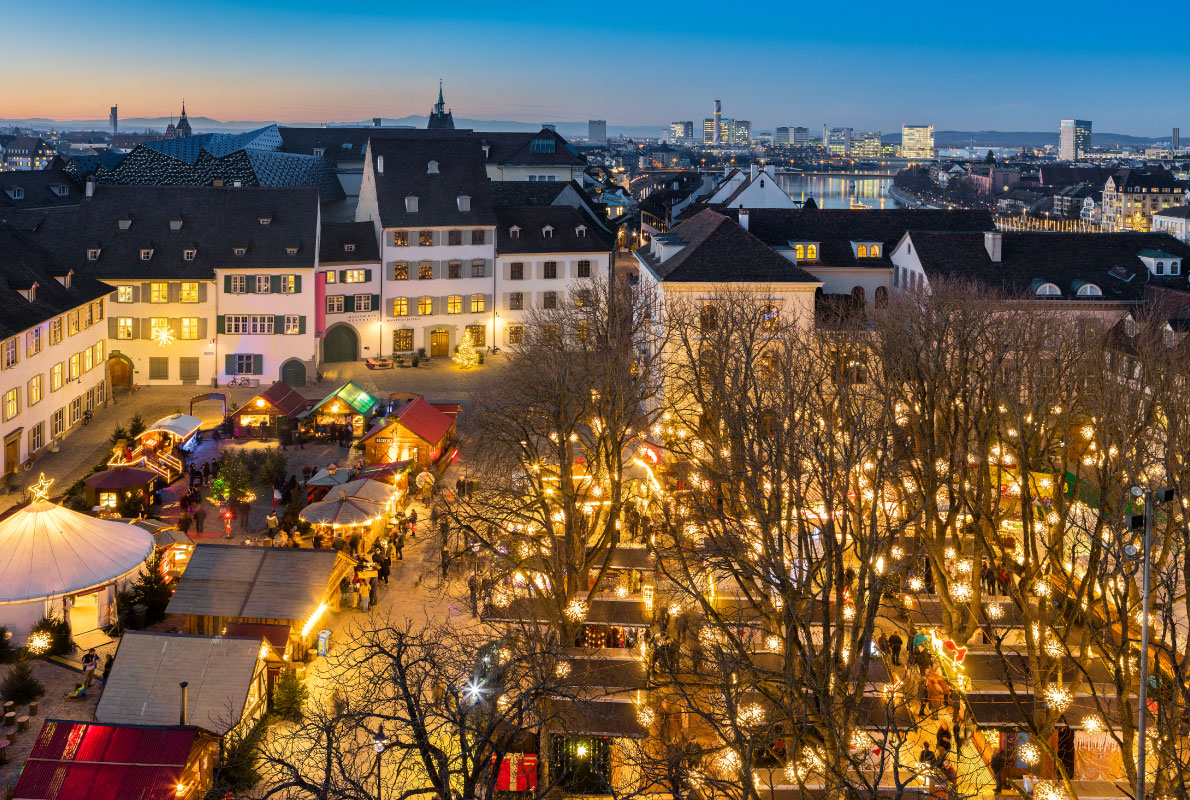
838	190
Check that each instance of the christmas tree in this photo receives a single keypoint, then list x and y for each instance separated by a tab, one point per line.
20	686
466	356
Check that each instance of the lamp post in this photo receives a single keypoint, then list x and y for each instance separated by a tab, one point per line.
380	337
380	743
1144	522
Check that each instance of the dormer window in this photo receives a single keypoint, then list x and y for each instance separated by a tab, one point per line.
31	294
189	253
1089	290
175	224
348	248
67	278
124	224
264	221
239	251
581	231
514	232
146	253
320	151
93	254
432	168
547	232
411	204
16	192
61	189
291	251
1046	290
464	202
866	249
805	251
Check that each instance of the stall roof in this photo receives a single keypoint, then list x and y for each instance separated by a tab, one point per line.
422	419
282	397
629	613
355	397
630	556
90	761
178	424
119	477
143	685
597	718
275	635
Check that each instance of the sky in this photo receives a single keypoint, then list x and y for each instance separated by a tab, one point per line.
863	64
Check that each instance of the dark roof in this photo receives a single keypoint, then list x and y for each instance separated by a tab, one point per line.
1063	175
284	398
519	148
80	167
1064	259
215	221
424	420
836	229
1128	180
24	145
717	249
337	235
336	144
564	238
527	193
1177	212
23	262
461	171
43	188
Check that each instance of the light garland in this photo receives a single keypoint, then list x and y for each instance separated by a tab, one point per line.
164	336
40	491
39	642
646	716
501	598
1049	790
773	643
916	584
995	611
897	552
751	716
1093	723
961	592
466	356
1058	697
1029	753
576	611
562	669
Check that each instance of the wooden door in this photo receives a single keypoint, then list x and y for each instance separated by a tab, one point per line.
439	343
12	455
120	371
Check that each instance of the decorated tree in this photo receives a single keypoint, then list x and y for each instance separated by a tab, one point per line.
466	356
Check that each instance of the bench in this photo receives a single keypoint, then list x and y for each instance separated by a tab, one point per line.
379	363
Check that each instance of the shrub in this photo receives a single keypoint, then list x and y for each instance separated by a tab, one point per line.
21	685
119	432
289	696
136	426
236	770
7	652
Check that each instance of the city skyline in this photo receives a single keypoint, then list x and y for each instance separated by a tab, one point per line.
376	61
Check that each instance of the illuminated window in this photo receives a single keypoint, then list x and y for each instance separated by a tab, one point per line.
478	335
263	284
189	328
477	303
425	306
88	364
516	334
289	284
402	340
874	251
400	306
11	406
812	252
862	251
334	305
772	317
425	239
425	270
188	292
124	328
799	251
401	271
56	377
293	324
330	276
34	390
454	304
354	276
124	294
72	367
400	238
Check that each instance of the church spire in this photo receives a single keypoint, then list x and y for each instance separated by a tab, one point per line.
441	102
439	116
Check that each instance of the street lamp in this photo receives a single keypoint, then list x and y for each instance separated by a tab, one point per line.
1136	522
379	742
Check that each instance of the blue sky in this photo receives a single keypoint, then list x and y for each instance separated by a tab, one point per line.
869	65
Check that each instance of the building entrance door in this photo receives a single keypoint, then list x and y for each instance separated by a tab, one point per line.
341	344
439	343
119	369
12	453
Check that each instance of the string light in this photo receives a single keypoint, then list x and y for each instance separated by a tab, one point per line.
961	592
751	716
40	491
897	552
916	584
164	336
39	642
1093	723
1058	697
995	611
576	611
1029	754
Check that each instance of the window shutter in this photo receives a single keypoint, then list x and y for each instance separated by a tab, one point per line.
145	292
297	283
367	275
257	364
113	327
175	323
227	284
342	276
202	327
173	292
220	324
202	291
278	323
146	329
375	302
229	363
251	283
275	284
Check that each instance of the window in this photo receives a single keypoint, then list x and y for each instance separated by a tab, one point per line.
582	297
516	301
514	232
478	335
348	248
862	251
10	353
454	304
158	324
243	363
478	237
72	367
477	268
58	423
400	238
189	328
708	319
1160	267
771	319
1048	290
158	368
550	270
264	220
400	306
477	303
581	331
547	232
56	377
87	318
289	284
189	253
124	328
549	300
812	252
11	406
516	334
237	323
37	437
239	251
402	340
334	305
354	276
263	284
1175	267
293	324
33	341
401	271
454	269
93	254
581	231
425	239
454	238
1089	290
188	292
584	269
363	302
425	306
874	251
123	294
331	277
146	253
88	363
516	271
425	270
72	322
238	284
34	390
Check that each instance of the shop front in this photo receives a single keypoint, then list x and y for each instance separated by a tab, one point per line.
348	407
119	491
270	413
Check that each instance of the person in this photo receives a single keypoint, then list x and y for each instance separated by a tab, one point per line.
280	539
200	515
894	648
184	521
365	595
276	496
399	547
206	473
79	693
445	562
385	570
344	590
944	738
881	642
90	663
997	764
272	523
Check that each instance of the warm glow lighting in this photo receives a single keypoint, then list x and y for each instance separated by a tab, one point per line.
1093	723
40	491
39	642
164	336
310	623
580	750
1029	753
576	611
1058	697
260	402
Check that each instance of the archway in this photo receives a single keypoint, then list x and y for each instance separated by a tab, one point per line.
341	344
881	297
857	294
119	371
293	373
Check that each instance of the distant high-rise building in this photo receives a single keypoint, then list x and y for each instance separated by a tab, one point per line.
718	122
866	144
113	120
440	118
917	141
683	129
1175	141
597	131
800	137
1074	139
716	135
741	132
838	141
781	136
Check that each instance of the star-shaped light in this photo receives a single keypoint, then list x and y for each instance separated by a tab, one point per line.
164	335
41	490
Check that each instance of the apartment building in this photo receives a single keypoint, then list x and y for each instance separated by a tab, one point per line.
1132	196
52	348
348	288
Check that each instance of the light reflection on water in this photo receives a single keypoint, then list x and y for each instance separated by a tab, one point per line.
838	191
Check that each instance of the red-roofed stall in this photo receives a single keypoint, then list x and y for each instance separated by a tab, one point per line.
415	431
269	412
86	761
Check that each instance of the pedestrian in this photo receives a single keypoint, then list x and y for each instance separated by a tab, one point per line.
184	522
881	642
365	595
445	562
385	570
90	663
459	487
276	496
894	648
206	473
195	475
280	538
997	764
214	468
200	516
306	473
374	586
272	523
399	547
473	591
944	738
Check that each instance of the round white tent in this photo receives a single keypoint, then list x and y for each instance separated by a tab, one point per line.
53	560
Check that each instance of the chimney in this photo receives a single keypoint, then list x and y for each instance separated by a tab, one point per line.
753	170
744	218
185	699
549	126
379	165
993	242
90	186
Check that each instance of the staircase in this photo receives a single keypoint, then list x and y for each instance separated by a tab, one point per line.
974	775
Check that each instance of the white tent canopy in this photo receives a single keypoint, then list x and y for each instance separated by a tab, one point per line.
50	551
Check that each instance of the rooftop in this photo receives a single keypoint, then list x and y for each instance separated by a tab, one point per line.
437	171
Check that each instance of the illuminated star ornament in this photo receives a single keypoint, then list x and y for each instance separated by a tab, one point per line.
40	491
164	335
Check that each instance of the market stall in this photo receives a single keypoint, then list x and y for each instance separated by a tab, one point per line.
162	446
173	546
358	507
113	490
416	431
349	406
269	413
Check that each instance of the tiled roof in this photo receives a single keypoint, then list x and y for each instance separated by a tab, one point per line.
528	193
718	250
215	221
1130	180
23	262
460	171
284	398
1177	212
336	235
518	148
24	144
41	188
188	148
424	421
564	237
1063	259
836	229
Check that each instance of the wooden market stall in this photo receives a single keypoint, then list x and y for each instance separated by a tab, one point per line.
268	413
415	430
362	506
110	490
161	446
348	405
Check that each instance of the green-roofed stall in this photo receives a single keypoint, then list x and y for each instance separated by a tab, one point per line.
348	404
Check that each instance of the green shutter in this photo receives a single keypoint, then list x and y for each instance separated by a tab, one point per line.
278	323
220	326
297	283
257	364
275	284
229	363
250	283
227	284
367	275
302	324
342	276
376	302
